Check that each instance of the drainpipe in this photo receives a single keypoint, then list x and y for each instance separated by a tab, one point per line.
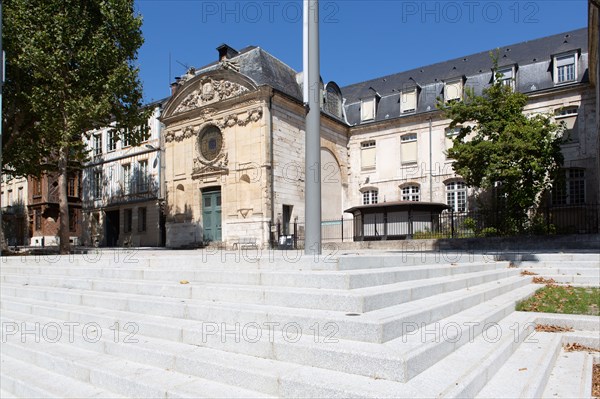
271	160
430	164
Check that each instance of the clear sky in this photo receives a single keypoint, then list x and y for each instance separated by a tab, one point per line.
360	39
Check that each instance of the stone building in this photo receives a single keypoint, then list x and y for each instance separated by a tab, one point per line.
122	200
44	214
13	201
234	137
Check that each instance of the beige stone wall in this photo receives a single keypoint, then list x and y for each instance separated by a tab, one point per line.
391	172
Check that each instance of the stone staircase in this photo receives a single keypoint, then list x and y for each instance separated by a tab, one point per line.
209	323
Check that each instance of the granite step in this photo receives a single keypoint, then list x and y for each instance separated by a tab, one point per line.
25	380
376	326
130	379
359	300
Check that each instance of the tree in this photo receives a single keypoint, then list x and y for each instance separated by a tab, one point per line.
70	69
503	150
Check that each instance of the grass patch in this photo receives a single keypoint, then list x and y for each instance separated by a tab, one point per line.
563	299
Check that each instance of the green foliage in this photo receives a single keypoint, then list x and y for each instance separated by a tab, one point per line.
70	68
559	299
500	148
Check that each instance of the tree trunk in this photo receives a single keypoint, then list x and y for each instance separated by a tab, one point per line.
63	201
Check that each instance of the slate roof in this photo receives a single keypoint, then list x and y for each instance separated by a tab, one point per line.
263	69
534	72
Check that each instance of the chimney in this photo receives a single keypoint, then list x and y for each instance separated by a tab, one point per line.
226	52
175	86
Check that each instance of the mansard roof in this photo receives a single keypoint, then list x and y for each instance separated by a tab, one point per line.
532	58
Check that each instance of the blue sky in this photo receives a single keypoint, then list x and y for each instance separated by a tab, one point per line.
360	39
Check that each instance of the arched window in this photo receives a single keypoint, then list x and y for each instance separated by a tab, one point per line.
370	197
411	192
333	99
456	195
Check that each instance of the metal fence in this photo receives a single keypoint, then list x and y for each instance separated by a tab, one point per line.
554	220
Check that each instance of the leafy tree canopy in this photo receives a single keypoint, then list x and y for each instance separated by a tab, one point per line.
502	148
70	68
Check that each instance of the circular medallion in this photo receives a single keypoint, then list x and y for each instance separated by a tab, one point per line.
211	141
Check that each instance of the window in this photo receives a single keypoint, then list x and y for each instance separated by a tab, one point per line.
143	177
97	144
37	187
565	68
453	90
508	76
411	193
408	100
72	187
569	117
145	132
369	197
112	141
456	196
333	99
9	201
38	220
141	219
127	220
126	139
126	178
409	148
367	110
367	155
451	134
20	195
569	187
72	220
97	184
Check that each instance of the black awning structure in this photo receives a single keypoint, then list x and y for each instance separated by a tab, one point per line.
395	220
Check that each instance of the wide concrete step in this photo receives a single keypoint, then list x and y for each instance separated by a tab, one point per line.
571	376
587	281
588	264
267	376
579	271
105	371
82	277
22	379
395	361
532	256
526	373
349	301
377	326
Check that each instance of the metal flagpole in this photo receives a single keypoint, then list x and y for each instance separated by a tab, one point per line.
1	92
312	201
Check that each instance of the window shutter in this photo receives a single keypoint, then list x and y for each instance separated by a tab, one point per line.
409	148
453	90
367	110
409	101
368	158
567	60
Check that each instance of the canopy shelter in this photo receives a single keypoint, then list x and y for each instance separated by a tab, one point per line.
395	220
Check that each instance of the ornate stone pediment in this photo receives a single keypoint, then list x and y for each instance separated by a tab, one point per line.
204	168
210	91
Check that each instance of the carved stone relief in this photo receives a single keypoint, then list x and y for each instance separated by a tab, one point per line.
210	91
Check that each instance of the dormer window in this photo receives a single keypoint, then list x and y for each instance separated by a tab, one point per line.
453	90
408	100
565	68
508	76
367	110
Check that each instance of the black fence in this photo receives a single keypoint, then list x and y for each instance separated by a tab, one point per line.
555	220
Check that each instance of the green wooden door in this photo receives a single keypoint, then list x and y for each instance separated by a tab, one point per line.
211	215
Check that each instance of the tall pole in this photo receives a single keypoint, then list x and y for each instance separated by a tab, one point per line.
430	164
312	202
1	116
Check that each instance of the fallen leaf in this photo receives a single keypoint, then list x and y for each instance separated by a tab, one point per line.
184	282
523	369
